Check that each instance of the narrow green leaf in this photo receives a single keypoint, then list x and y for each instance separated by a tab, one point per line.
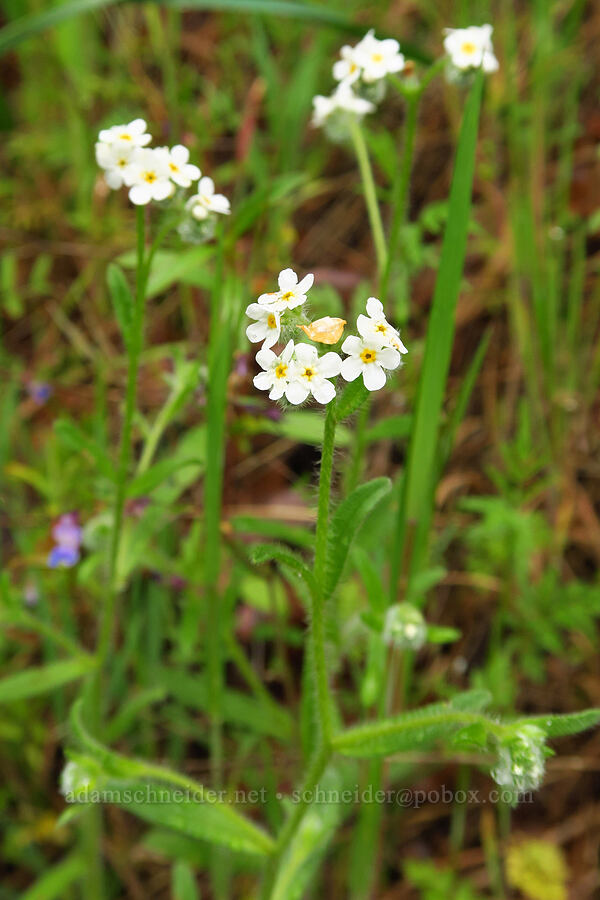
149	480
56	880
413	731
167	798
563	725
43	679
183	883
273	528
350	400
122	300
262	553
421	468
345	522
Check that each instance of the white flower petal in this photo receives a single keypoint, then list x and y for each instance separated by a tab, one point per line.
296	393
255	311
351	368
375	308
373	376
140	194
287	280
206	186
388	358
266	358
257	332
352	344
330	365
305	285
322	390
263	381
306	354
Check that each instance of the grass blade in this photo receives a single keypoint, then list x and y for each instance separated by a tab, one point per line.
421	455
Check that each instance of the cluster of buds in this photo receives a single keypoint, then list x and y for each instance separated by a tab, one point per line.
298	371
521	759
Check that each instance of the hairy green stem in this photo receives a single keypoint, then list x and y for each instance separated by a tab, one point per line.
317	625
316	768
368	182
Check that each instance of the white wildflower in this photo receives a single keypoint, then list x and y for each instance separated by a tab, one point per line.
343	100
471	48
375	327
346	69
131	135
267	326
405	627
115	159
310	374
205	202
376	58
148	176
181	172
369	358
291	293
278	371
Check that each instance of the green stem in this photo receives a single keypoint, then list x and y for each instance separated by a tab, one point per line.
368	182
317	625
107	621
401	190
315	770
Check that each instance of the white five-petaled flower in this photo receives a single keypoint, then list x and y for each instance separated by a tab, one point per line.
347	69
376	58
277	371
291	292
132	135
471	48
205	202
310	374
375	327
180	170
148	176
368	358
267	326
115	159
344	100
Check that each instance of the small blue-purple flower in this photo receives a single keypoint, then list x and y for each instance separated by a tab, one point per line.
61	557
67	531
39	391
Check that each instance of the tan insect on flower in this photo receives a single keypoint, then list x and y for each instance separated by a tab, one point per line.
324	331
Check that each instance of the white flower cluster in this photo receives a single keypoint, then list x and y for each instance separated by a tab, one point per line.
470	48
360	66
298	372
153	173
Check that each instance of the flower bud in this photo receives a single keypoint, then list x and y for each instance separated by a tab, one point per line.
327	330
75	778
521	759
405	627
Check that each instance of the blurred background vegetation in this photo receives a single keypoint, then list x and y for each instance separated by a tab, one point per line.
516	541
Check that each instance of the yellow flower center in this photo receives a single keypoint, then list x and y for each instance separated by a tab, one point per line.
382	327
377	57
126	137
173	167
468	48
353	68
287	296
122	163
368	356
150	177
271	321
308	373
281	370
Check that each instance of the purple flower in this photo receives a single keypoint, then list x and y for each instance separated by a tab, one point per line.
67	532
39	391
62	557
